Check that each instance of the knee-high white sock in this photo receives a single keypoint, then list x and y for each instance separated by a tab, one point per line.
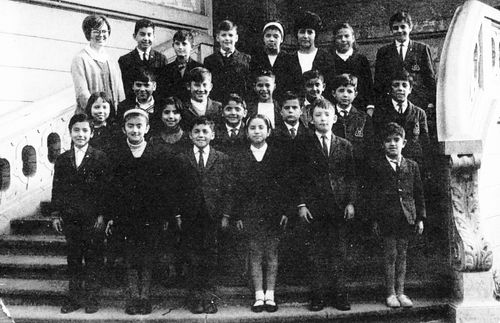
269	296
259	294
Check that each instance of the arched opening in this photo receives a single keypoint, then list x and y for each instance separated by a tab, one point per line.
53	146
4	174
28	156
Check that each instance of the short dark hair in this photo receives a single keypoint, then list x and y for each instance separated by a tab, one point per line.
403	16
308	20
94	22
80	117
226	25
342	25
290	95
263	72
171	100
198	74
140	74
312	74
344	80
259	116
321	103
106	98
402	75
236	98
143	23
203	120
390	129
184	34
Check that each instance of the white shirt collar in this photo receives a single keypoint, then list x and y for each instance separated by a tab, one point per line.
196	150
396	106
405	44
147	106
289	126
345	55
101	56
328	135
259	152
393	162
148	51
229	128
306	60
83	149
348	109
200	107
224	52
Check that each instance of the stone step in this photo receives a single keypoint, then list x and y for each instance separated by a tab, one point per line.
33	266
34	224
424	310
53	244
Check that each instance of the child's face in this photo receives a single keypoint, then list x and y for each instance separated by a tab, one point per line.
258	131
170	116
183	48
290	111
264	87
401	31
201	135
200	90
344	39
400	90
143	90
314	88
80	134
233	113
145	37
344	95
227	39
306	38
393	146
100	110
323	119
135	128
272	40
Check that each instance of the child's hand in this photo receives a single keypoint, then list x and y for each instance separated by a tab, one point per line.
239	225
57	224
304	214
224	222
108	228
284	221
376	229
178	222
419	227
99	223
349	212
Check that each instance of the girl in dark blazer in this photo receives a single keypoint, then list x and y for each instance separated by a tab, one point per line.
259	206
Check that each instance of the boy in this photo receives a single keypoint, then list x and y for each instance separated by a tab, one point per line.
143	86
326	189
204	187
230	67
143	193
412	118
79	199
199	84
178	70
230	133
264	87
398	208
291	128
308	56
271	57
313	87
405	53
143	56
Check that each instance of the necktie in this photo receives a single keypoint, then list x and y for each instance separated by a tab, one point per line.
400	107
293	133
145	57
401	53
233	133
343	113
201	164
324	145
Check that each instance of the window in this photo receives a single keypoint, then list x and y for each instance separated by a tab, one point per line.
4	174
28	156
53	146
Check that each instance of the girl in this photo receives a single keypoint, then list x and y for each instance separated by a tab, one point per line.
171	136
102	111
260	207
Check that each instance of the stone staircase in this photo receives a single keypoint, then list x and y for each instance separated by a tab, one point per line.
33	284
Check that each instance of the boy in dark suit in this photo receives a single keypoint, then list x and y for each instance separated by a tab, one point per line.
143	193
291	127
79	201
230	133
178	70
327	192
199	84
407	54
203	187
398	206
143	56
397	108
230	67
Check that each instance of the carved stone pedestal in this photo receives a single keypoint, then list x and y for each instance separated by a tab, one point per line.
477	304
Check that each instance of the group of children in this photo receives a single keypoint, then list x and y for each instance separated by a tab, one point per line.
171	157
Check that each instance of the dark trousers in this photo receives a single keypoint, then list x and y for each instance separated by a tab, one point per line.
327	253
84	247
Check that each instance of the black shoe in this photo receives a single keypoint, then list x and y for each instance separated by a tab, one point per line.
145	307
196	307
316	304
271	308
209	306
342	302
257	308
70	307
131	308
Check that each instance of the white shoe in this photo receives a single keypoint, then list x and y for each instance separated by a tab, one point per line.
405	301
392	301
